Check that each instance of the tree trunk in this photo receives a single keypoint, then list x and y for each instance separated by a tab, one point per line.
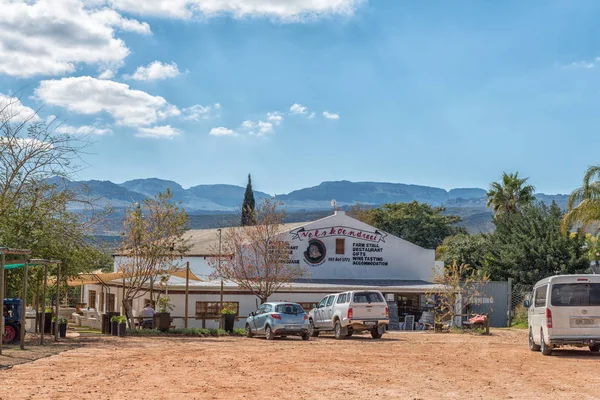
127	308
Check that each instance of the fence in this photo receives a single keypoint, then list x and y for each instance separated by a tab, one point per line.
518	294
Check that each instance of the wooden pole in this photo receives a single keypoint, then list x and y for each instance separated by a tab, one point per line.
187	289
57	302
24	297
2	262
36	304
43	323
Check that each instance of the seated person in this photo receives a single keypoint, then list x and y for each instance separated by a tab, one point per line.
147	315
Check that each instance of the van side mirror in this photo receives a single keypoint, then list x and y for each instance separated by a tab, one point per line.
526	303
252	314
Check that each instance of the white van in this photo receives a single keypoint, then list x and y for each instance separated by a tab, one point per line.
565	310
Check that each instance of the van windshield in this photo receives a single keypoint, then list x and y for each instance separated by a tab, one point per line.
367	297
576	294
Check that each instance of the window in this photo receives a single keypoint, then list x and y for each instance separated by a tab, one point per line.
341	298
340	246
306	306
322	303
330	300
575	294
212	309
92	299
111	302
289	309
540	296
367	297
268	308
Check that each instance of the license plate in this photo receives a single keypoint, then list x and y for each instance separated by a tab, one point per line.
293	326
584	322
370	323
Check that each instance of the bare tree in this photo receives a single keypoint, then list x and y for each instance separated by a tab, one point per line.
457	286
256	257
31	151
153	239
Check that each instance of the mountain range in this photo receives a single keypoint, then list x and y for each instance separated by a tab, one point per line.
204	200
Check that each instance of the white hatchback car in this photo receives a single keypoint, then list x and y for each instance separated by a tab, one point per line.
565	310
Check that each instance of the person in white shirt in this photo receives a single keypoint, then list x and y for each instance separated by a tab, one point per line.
147	315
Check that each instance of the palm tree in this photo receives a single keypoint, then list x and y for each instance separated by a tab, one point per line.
509	195
583	208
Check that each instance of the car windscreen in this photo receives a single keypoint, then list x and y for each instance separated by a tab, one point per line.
289	309
575	295
367	297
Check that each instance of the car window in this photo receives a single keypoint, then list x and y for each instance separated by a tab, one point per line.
341	298
268	308
367	297
540	296
323	302
330	300
260	310
575	294
290	308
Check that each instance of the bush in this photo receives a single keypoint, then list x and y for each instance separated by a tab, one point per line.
520	318
198	332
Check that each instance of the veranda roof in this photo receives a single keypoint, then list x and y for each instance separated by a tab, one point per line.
103	277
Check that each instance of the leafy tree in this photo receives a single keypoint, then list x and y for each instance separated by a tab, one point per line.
256	257
463	249
152	241
248	216
583	208
418	223
529	246
509	195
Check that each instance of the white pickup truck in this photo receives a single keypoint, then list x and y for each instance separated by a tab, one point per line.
349	312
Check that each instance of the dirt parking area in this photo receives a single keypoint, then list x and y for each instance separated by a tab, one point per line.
399	366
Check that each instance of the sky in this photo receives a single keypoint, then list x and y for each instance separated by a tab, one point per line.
297	92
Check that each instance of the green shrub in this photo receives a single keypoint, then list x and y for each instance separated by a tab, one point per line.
239	332
199	332
520	318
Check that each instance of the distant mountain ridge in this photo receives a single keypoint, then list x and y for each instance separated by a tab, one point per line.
216	199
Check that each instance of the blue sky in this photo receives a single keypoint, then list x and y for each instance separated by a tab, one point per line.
447	94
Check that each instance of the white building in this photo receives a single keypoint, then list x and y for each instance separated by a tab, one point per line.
339	252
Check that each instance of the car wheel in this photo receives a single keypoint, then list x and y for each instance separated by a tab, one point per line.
338	330
11	334
306	336
532	345
375	334
595	348
349	334
546	350
269	334
249	333
312	330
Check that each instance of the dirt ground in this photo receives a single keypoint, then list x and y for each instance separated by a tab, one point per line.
401	366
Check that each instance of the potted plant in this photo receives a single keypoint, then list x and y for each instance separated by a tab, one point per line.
62	327
228	315
47	327
114	325
162	319
122	325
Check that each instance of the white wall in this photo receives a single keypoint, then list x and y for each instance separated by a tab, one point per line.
392	257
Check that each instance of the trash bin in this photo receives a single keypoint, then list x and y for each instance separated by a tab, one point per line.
106	321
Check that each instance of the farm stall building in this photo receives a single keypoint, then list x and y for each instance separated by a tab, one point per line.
340	254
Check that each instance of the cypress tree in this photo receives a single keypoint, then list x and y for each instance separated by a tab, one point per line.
248	217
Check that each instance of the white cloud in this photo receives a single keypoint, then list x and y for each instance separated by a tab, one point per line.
283	10
89	96
311	115
49	37
12	109
329	115
297	109
584	64
276	117
107	74
155	71
259	128
198	112
158	132
221	131
82	130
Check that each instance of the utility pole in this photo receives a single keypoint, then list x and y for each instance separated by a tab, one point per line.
219	268
187	290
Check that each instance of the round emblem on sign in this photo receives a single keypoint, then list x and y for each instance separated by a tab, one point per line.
316	251
584	312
